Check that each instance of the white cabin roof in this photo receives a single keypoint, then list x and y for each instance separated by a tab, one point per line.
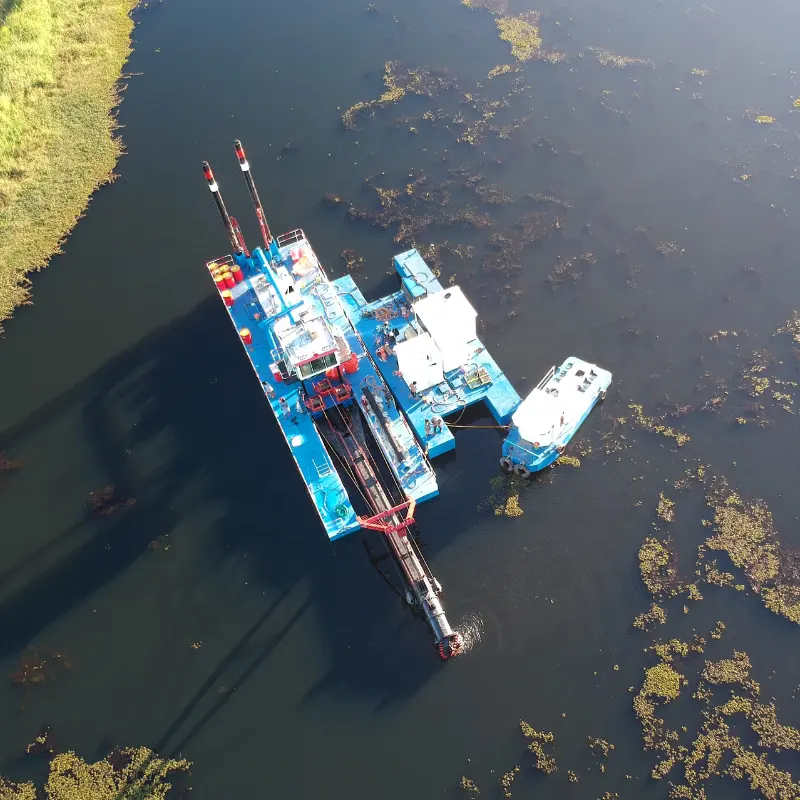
305	339
450	319
440	310
419	361
539	417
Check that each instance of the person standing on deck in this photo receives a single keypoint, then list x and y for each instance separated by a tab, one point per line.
413	388
437	423
427	427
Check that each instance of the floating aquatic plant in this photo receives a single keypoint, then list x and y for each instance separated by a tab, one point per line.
469	787
734	670
522	33
608	59
646	621
569	270
662	681
352	260
693	593
671	651
108	501
506	780
570	461
666	509
38	665
544	762
43	744
494	6
501	69
503	497
792	327
692	475
17	791
134	773
654	424
658	565
599	747
668	248
400	81
745	532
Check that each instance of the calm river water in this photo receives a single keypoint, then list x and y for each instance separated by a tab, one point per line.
313	680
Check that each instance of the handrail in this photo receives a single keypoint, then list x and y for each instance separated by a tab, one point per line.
291	237
550	373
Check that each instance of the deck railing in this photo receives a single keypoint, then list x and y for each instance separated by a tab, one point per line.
296	235
543	381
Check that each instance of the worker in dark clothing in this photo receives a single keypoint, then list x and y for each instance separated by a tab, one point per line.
413	388
437	423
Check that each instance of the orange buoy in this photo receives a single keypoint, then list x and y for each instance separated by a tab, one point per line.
227	297
351	365
332	374
219	280
236	271
229	280
247	337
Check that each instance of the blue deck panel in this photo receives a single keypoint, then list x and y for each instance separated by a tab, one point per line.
415	274
302	437
448	398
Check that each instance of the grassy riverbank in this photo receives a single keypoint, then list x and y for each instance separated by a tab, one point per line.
60	61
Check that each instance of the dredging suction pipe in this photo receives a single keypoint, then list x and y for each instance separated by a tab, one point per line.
223	212
448	642
251	185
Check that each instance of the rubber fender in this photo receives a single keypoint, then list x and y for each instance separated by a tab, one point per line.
521	471
506	464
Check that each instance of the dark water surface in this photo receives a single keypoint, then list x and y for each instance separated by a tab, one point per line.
313	680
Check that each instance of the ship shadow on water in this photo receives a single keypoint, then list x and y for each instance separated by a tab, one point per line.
189	381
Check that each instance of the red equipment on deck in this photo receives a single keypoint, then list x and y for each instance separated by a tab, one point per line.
378	522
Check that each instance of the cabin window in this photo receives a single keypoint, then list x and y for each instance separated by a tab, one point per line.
317	365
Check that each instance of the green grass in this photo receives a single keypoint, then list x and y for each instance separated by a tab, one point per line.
60	61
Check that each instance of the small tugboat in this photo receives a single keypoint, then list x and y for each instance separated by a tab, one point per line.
551	414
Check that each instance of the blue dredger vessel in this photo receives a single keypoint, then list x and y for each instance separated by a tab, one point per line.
360	389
